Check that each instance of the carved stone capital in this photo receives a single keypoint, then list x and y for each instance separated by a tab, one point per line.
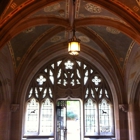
123	107
14	107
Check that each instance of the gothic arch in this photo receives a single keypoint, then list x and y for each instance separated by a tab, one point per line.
11	24
114	87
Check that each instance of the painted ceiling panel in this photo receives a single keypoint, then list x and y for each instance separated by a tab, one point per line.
14	4
21	43
118	41
132	4
56	9
90	10
89	42
57	38
63	37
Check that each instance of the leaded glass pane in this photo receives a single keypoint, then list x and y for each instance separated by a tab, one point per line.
104	117
46	117
90	117
36	92
44	93
86	73
41	80
87	92
32	116
85	66
100	95
79	63
45	70
92	93
30	93
52	66
85	80
106	93
70	73
69	65
96	80
51	76
78	74
50	92
58	63
40	89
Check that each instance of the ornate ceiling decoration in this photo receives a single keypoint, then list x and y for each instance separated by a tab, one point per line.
106	27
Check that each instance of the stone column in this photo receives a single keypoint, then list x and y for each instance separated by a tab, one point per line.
124	133
134	122
15	123
5	121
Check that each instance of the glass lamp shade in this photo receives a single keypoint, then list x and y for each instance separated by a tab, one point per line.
74	46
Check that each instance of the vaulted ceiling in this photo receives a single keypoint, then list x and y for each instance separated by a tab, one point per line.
108	27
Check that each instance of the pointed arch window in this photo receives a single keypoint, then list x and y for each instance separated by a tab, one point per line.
39	107
99	121
32	116
57	79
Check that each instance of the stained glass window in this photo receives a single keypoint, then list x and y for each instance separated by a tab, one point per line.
90	117
97	106
32	116
104	117
69	77
46	117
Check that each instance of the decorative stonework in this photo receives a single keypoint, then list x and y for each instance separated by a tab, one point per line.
61	12
123	107
52	8
121	59
136	8
112	30
14	107
18	58
127	8
12	54
13	5
6	82
29	30
138	2
129	52
84	39
81	15
15	10
64	93
92	8
55	38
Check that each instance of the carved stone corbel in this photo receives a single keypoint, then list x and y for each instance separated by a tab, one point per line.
14	107
123	107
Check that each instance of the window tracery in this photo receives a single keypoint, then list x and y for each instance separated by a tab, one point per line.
70	74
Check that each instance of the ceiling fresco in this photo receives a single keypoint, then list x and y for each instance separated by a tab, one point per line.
117	40
58	9
134	5
23	41
118	43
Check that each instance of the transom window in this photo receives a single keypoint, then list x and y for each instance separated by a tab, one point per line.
69	77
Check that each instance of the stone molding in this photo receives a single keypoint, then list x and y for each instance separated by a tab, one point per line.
14	107
123	107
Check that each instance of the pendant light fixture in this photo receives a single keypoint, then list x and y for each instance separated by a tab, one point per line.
74	43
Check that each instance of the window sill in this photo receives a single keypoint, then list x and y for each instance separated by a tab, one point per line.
99	138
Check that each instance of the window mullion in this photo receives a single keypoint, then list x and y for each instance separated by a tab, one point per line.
39	122
98	119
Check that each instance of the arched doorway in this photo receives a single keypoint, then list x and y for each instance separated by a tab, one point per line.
68	119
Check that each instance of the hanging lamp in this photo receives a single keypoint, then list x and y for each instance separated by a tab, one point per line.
74	43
